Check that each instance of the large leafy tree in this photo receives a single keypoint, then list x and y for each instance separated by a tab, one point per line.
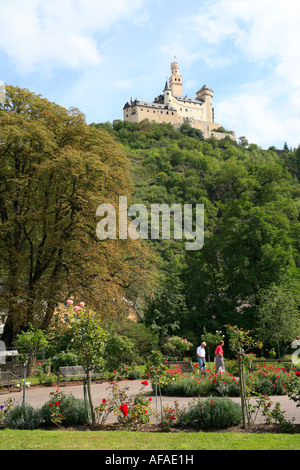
55	171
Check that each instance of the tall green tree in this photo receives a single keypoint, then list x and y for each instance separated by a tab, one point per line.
278	318
166	312
55	171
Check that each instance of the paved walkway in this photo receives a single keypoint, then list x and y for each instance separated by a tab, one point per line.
37	396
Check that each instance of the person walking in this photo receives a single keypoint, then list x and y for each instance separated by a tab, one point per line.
201	356
220	365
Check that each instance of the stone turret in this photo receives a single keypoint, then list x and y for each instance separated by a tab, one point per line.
175	81
206	94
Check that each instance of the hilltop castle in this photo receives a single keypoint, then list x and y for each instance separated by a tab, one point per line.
173	107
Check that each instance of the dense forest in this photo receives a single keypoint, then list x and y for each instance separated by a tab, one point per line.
247	272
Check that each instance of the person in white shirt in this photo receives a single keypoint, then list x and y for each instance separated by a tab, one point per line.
201	356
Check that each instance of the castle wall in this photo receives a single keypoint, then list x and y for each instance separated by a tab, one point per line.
140	112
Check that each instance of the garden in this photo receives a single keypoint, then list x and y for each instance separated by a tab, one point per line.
210	408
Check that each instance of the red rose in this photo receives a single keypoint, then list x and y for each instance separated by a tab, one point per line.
57	403
145	382
104	400
50	404
124	409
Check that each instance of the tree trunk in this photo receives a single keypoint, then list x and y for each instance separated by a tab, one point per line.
90	399
242	387
86	402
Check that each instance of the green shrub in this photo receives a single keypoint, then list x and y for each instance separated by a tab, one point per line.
71	410
134	374
219	413
23	417
64	359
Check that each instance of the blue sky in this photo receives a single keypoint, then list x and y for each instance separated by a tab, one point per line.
96	54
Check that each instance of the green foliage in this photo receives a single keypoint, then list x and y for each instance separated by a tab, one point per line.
218	413
65	410
142	338
177	346
55	171
30	342
89	338
23	417
278	315
134	374
118	350
252	201
131	411
63	359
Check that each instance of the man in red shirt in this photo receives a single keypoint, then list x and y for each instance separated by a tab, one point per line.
220	366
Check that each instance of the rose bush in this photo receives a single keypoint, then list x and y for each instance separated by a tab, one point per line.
263	380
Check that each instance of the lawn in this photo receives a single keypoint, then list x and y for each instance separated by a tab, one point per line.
138	441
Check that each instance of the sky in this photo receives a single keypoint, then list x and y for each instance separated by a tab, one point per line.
96	54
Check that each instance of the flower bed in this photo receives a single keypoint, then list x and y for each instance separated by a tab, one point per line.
264	380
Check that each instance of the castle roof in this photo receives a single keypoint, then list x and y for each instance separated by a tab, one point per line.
188	99
149	105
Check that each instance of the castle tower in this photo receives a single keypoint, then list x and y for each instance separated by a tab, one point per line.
206	94
175	81
167	94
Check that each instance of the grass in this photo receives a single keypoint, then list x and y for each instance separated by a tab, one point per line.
127	440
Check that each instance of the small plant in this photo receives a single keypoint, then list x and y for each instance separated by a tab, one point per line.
131	411
170	416
4	410
23	417
273	415
134	374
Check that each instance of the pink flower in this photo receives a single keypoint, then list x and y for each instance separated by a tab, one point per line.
77	308
69	302
82	304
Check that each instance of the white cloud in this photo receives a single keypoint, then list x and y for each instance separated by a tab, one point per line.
265	35
253	113
58	34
